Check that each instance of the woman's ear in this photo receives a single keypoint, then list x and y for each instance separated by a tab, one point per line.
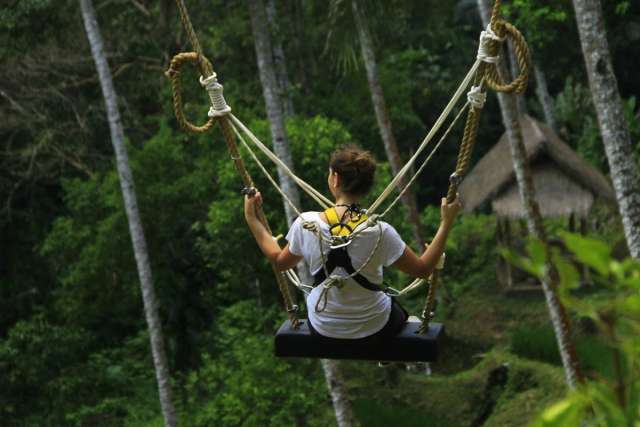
336	179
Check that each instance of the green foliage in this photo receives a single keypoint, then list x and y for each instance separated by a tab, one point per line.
539	343
470	253
245	385
71	347
538	21
55	376
536	343
577	122
579	126
381	414
34	354
90	247
616	312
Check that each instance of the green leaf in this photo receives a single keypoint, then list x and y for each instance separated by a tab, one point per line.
593	253
566	413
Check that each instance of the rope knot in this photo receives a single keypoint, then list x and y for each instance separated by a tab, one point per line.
487	38
477	97
219	106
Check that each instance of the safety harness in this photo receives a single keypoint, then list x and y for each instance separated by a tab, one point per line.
338	255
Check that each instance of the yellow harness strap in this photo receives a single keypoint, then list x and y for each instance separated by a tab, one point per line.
342	229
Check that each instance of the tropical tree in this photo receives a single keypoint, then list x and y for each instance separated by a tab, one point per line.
131	206
279	61
535	225
537	22
273	91
611	118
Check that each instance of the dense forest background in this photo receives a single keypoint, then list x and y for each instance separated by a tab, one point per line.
74	346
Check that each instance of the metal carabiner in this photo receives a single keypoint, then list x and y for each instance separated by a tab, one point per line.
339	242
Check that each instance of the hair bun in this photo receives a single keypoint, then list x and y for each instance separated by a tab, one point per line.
357	168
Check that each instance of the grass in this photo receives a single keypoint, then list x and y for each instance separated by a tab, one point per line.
539	343
373	413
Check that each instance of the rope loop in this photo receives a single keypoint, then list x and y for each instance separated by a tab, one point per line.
523	58
173	73
219	106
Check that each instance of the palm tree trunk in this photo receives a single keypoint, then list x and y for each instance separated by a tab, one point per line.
382	116
613	127
274	105
514	70
133	216
557	312
279	62
338	391
542	92
274	102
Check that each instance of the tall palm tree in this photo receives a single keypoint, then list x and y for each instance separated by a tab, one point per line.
613	127
279	62
133	215
272	92
557	312
276	104
544	97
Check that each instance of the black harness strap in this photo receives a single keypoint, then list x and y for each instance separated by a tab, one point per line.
340	258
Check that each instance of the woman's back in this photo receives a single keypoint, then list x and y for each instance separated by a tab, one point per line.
350	311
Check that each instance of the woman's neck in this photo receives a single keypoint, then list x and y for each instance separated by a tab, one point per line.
346	200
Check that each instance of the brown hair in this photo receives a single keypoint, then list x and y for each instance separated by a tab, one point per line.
356	168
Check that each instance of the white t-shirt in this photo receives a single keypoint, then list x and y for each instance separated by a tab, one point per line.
351	311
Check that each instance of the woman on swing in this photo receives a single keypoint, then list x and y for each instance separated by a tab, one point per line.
357	309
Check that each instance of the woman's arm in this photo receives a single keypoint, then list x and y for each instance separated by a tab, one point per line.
283	259
423	265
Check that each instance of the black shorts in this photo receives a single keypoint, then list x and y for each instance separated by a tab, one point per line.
397	318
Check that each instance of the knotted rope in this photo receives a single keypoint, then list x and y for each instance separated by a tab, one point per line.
218	111
487	75
483	74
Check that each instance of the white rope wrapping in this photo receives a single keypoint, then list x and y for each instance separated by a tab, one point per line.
486	37
219	106
477	97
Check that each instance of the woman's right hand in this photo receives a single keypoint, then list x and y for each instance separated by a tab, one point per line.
448	211
251	200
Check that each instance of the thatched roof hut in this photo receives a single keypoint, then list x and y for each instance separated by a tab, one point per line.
565	183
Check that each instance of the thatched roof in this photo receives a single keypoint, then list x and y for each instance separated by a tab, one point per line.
565	183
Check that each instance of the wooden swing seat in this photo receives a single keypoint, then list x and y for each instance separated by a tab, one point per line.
407	346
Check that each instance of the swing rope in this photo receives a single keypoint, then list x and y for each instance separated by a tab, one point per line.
482	74
487	75
208	79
